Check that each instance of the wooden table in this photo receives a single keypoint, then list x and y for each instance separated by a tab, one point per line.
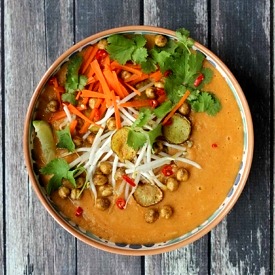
35	33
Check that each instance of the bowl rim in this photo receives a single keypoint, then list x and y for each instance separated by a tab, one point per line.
73	231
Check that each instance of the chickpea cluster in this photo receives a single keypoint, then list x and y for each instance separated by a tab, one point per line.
152	214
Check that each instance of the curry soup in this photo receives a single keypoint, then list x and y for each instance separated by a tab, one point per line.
132	175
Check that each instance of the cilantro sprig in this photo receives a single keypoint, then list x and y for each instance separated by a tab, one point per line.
65	139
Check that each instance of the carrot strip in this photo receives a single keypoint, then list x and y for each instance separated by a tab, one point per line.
74	110
120	89
157	75
78	95
57	116
98	72
139	79
176	107
136	103
116	65
133	89
88	93
73	126
86	64
123	89
117	115
113	82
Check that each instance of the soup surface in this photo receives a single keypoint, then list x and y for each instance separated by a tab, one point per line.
107	203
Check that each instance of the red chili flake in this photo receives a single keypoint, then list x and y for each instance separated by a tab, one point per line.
154	103
160	91
101	54
120	202
167	170
198	80
214	145
167	73
78	211
129	180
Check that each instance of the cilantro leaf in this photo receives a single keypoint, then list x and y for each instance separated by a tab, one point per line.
136	139
162	110
65	139
153	134
59	169
142	119
148	66
139	55
183	37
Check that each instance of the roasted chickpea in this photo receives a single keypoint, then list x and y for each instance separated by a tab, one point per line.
75	194
159	84
100	179
80	181
160	40
166	211
119	173
125	75
102	44
105	167
111	124
64	192
151	215
92	102
90	138
150	92
158	147
77	141
106	190
52	106
184	109
172	184
182	174
102	203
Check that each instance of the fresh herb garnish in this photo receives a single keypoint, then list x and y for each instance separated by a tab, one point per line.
65	139
74	81
60	169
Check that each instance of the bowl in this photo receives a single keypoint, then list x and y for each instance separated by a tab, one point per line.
193	234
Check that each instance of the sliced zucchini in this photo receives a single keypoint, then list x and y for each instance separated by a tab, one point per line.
147	194
119	145
178	131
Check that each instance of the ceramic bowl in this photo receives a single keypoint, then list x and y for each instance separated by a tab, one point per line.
196	233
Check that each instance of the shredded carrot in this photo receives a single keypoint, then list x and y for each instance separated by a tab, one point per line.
116	65
176	107
121	90
98	72
117	115
73	126
90	80
88	93
139	79
78	95
157	75
136	103
86	64
57	116
113	82
74	110
133	89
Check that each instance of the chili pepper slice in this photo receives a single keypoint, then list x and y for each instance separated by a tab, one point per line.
100	54
78	211
198	80
120	202
129	180
167	170
154	103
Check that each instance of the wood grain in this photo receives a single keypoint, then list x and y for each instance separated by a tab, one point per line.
240	245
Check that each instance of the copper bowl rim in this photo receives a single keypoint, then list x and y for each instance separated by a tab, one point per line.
60	220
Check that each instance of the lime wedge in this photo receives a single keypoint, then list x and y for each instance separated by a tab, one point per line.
44	133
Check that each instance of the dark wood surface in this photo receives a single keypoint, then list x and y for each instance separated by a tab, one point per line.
35	33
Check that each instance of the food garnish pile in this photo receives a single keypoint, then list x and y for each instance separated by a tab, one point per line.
118	120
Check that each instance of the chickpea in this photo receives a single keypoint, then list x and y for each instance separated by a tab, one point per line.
80	181
106	190
172	184
184	109
77	141
182	174
75	194
119	173
52	106
166	212
92	102
158	147
102	203
63	192
105	167
111	124
125	75
151	215
102	44
100	179
150	92
90	138
159	84
160	40
66	183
